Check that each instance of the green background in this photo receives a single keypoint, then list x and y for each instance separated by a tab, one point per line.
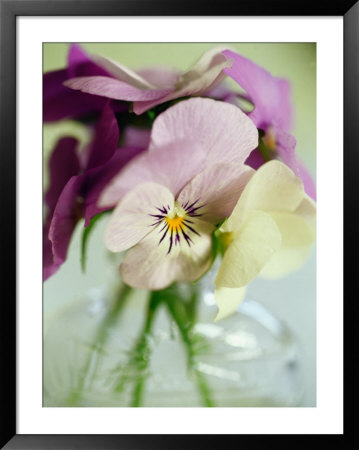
294	61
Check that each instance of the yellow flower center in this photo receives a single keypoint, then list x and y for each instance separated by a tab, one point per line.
178	223
174	224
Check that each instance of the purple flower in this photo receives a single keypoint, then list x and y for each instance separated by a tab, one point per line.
76	183
273	112
152	87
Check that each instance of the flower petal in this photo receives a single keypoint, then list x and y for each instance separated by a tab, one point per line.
79	63
223	130
217	189
106	139
64	219
64	163
148	264
60	102
307	209
96	180
255	159
136	137
250	250
273	187
228	300
115	89
270	95
308	181
297	239
49	268
164	77
285	146
205	74
172	166
135	215
122	73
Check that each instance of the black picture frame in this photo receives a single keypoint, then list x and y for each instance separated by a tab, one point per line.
9	10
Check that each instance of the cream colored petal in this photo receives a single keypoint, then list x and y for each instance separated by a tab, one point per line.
207	72
209	59
273	187
298	236
308	210
228	300
252	247
122	73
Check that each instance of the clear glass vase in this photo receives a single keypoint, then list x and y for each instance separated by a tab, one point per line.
91	357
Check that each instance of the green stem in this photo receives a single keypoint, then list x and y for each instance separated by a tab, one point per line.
92	361
179	314
143	350
140	355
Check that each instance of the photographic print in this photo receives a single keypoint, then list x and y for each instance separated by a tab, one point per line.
179	224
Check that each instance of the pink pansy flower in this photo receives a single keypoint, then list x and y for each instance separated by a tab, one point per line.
273	113
149	88
170	198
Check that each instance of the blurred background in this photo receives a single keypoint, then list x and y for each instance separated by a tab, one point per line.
292	299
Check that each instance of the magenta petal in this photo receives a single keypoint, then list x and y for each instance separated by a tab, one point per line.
64	163
270	95
64	220
286	151
97	179
49	268
60	102
285	145
75	57
52	84
255	159
80	64
115	89
285	112
106	139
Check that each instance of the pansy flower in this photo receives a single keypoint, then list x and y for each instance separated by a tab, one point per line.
149	88
170	198
76	181
270	232
272	113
